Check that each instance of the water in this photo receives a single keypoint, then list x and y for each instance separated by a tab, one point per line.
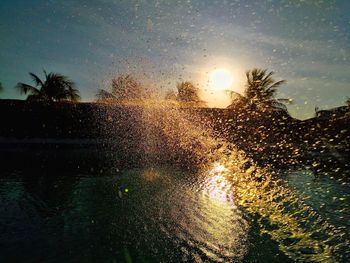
168	189
151	214
145	214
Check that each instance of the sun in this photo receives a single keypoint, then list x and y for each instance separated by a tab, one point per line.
221	79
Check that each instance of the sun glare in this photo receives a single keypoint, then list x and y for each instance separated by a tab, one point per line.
221	79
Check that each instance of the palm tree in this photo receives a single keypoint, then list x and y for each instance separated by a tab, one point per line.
124	87
187	92
260	92
55	87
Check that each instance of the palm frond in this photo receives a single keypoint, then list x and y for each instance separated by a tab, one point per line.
27	89
56	87
267	76
60	88
260	92
277	84
36	79
276	105
234	95
45	73
74	95
237	99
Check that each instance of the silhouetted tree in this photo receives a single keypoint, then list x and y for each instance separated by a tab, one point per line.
124	87
55	87
348	102
260	92
187	92
1	87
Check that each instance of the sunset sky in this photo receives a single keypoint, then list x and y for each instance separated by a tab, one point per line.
162	42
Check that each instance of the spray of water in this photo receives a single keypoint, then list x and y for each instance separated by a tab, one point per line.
300	232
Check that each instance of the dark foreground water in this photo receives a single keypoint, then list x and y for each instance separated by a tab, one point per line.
52	212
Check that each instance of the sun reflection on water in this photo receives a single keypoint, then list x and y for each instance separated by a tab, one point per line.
218	168
216	185
209	220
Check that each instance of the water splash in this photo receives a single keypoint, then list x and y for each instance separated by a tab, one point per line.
301	233
299	230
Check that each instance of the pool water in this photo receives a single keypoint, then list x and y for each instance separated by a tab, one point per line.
141	214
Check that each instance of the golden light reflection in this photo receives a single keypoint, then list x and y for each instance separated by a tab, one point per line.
218	188
216	185
209	219
218	168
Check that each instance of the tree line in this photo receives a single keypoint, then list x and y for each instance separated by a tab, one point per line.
259	95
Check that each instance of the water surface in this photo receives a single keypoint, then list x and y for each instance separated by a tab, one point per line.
153	213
